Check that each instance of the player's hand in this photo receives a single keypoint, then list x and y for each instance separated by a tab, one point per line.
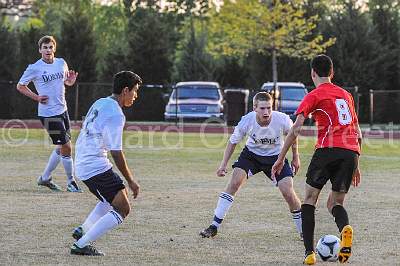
221	171
356	178
276	169
43	99
135	188
295	164
71	77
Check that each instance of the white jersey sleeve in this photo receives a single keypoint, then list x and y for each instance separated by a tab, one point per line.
28	76
112	133
240	130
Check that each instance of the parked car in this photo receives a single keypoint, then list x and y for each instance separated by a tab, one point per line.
195	100
288	95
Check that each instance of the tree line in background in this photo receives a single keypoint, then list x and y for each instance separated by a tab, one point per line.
241	44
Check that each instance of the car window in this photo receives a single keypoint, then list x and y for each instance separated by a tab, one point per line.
292	93
196	92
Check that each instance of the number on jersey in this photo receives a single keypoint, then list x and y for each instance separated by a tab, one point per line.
92	115
343	112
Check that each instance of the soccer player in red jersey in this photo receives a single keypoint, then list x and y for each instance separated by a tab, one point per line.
336	154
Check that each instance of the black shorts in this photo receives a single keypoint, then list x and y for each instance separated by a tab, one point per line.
335	164
105	185
252	163
58	128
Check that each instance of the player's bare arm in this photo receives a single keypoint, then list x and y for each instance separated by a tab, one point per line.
120	162
295	157
71	78
43	99
290	138
357	173
230	148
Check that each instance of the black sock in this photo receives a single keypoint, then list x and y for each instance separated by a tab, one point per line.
341	218
308	225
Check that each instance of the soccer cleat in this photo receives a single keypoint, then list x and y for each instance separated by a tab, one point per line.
77	233
73	187
345	244
211	231
48	183
310	258
301	237
88	250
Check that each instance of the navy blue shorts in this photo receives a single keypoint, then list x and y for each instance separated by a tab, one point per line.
105	185
335	164
252	163
58	128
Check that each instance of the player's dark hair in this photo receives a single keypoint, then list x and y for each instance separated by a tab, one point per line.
47	39
322	65
125	79
261	96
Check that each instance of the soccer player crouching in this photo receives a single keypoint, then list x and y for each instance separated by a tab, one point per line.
102	132
265	129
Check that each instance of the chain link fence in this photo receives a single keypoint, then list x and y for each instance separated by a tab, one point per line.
149	106
376	107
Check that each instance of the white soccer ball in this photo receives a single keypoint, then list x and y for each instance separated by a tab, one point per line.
328	247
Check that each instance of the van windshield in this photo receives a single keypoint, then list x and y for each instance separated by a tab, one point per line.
292	93
202	92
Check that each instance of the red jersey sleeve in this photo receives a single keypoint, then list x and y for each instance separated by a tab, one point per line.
307	105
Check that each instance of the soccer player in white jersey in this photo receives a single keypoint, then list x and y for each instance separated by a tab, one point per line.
265	129
102	132
49	74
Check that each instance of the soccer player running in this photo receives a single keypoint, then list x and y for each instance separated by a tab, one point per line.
336	155
49	74
264	129
102	132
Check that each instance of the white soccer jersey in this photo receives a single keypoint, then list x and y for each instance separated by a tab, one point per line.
48	80
101	132
264	141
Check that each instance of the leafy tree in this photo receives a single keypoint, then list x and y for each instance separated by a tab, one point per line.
110	26
386	19
28	34
77	45
273	27
149	38
77	42
358	54
8	53
192	61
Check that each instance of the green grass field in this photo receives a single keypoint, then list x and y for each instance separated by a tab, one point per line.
179	191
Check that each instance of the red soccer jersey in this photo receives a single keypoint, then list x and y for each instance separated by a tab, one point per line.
333	110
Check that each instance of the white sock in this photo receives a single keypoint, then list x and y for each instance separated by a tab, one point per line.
297	220
99	211
68	165
224	203
102	226
54	159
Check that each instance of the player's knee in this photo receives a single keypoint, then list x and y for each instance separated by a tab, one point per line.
286	190
310	199
66	150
